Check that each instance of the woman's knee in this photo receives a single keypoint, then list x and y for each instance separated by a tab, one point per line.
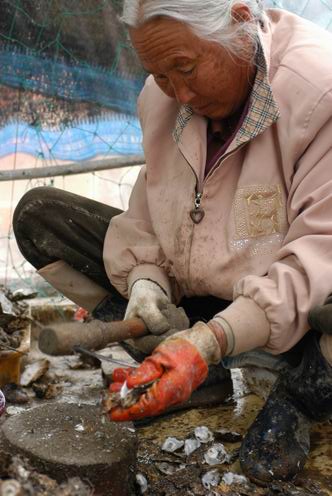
34	206
29	216
30	203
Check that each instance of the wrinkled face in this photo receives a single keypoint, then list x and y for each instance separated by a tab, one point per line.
196	72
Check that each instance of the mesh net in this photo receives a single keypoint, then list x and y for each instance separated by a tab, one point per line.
69	81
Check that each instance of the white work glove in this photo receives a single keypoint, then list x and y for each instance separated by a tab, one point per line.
149	302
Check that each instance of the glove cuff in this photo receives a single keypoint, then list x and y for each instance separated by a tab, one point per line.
152	273
144	284
204	340
221	336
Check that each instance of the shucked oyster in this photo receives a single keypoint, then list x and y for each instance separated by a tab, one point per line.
126	397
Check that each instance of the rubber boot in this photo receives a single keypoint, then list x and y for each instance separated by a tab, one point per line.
277	444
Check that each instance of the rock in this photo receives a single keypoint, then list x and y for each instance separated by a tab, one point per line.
103	453
46	391
15	394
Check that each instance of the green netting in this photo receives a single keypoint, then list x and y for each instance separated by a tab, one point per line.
53	45
69	79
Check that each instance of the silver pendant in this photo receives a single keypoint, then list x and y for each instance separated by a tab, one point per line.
197	215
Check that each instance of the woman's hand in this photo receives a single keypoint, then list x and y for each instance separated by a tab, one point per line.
149	302
174	370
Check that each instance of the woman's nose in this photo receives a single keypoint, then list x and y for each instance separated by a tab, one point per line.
183	94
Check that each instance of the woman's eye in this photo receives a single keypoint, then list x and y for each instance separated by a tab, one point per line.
160	77
188	70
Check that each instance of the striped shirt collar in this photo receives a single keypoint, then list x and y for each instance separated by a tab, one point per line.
263	109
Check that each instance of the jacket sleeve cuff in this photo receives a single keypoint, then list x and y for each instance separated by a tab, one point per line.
153	273
245	325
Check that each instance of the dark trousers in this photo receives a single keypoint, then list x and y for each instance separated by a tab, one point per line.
51	224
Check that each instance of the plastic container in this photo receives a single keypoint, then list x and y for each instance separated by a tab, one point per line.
10	361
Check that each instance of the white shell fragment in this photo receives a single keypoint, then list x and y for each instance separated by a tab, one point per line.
14	410
169	468
34	371
191	445
172	444
203	434
211	479
11	487
79	428
229	478
22	472
216	454
124	390
142	482
6	305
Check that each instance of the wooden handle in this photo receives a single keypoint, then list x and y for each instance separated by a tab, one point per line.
60	338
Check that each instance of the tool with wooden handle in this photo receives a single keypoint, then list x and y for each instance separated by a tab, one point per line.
59	339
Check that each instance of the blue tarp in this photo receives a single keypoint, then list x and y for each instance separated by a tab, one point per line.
117	136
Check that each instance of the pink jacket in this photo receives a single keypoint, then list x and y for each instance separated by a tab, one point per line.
266	239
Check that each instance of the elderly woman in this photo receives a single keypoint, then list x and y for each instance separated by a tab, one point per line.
233	209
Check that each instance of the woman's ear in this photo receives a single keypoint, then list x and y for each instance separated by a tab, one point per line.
241	13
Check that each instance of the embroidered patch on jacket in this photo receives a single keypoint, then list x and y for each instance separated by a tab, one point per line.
259	211
260	219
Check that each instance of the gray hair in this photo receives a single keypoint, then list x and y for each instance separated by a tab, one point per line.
208	19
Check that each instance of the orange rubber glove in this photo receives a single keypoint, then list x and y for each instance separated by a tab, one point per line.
177	368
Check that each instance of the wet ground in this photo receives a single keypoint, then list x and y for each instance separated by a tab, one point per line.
169	474
237	416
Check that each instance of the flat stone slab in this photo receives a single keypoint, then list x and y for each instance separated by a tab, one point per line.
69	440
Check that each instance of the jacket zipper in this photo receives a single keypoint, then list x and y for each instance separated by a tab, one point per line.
197	213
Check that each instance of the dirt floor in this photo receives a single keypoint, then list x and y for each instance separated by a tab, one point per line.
159	472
